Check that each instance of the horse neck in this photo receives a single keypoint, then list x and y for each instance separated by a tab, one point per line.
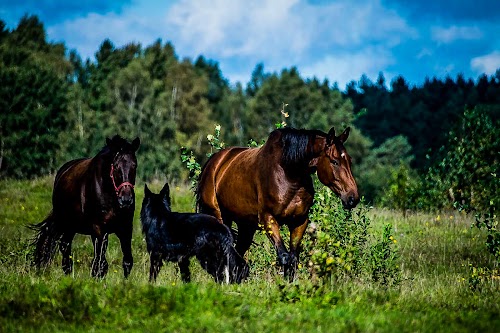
318	150
101	168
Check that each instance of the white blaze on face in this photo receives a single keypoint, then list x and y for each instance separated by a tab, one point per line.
342	155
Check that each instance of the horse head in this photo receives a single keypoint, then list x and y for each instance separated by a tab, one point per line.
333	167
123	169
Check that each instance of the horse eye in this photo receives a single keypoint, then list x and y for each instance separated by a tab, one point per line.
335	162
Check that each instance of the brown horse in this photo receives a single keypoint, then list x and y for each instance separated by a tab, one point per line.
92	196
270	186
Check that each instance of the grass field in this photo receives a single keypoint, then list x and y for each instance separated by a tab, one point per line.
441	258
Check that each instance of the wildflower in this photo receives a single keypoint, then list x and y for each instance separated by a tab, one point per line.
395	241
173	283
438	218
217	127
210	137
329	261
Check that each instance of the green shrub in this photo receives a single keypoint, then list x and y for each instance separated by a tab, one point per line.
340	247
467	175
384	260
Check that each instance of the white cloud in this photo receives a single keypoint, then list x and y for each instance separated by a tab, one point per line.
86	33
486	64
284	33
453	33
237	28
280	28
425	52
345	67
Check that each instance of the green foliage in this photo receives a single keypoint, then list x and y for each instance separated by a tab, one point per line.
466	177
32	100
189	159
397	196
215	142
479	277
385	260
379	164
340	245
468	169
310	104
424	114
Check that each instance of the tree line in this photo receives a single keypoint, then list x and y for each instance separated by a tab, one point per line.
55	106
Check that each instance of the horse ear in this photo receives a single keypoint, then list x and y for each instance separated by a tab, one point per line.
343	137
108	142
330	137
136	143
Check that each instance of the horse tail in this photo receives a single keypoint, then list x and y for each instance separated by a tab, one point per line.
45	241
200	184
236	268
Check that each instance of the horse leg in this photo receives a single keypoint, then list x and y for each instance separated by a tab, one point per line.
296	233
99	263
244	238
65	248
126	245
272	229
156	264
184	268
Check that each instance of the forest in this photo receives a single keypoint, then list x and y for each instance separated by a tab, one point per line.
420	252
56	106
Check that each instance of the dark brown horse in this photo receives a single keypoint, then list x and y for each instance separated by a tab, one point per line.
271	186
92	196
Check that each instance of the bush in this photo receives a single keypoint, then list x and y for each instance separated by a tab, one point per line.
466	177
340	246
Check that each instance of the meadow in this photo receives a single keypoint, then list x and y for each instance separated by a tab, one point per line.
448	282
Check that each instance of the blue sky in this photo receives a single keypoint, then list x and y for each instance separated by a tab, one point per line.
337	40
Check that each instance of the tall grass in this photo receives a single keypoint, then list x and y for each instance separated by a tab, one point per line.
437	253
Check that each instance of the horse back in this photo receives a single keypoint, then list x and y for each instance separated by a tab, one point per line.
69	185
65	167
229	183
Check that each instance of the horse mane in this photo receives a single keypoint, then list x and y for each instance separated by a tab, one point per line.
116	144
296	147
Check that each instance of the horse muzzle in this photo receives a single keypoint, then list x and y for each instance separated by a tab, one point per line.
350	200
126	197
125	202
